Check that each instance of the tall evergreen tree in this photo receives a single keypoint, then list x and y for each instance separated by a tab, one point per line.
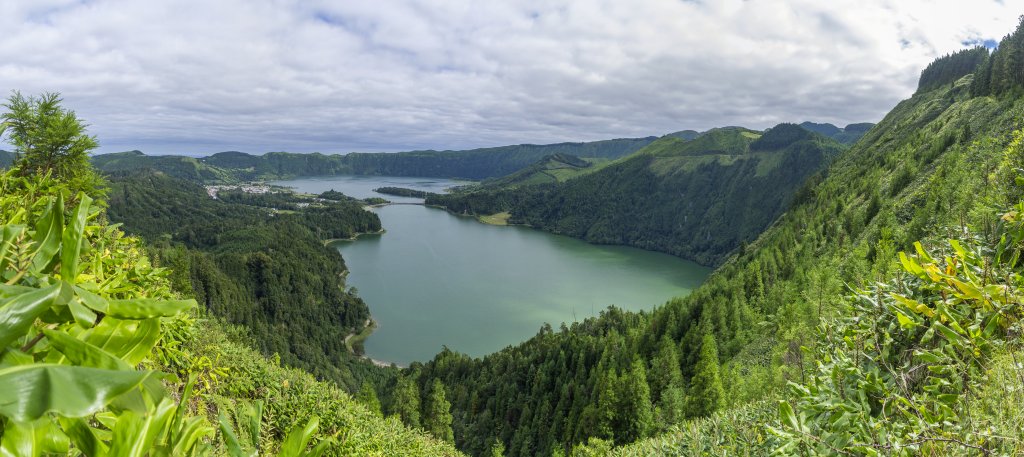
406	401
635	412
437	417
706	392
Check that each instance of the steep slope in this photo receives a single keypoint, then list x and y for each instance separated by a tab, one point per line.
697	199
483	163
922	173
6	158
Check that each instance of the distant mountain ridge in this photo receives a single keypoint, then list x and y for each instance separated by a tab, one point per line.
472	164
846	135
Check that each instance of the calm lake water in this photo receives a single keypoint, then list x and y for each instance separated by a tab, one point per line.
435	279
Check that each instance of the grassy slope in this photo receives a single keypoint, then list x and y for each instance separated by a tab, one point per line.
931	159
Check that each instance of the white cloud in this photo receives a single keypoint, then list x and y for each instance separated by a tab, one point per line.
196	76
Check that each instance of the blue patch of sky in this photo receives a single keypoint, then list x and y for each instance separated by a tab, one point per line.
986	42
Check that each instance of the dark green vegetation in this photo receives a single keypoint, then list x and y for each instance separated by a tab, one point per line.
920	358
846	135
256	260
1001	73
181	167
549	169
946	70
6	158
229	167
403	192
99	356
697	199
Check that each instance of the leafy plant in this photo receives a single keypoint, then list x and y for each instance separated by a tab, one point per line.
75	321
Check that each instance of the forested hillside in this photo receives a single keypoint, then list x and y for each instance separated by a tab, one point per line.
474	164
256	260
6	158
697	199
943	164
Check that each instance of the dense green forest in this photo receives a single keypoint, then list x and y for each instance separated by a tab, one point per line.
698	199
256	260
233	166
820	299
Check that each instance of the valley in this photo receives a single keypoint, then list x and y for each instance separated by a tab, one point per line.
436	280
798	288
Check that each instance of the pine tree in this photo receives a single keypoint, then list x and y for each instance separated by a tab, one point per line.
635	412
437	417
706	392
368	396
406	402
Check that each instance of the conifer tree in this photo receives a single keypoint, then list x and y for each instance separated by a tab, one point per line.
636	414
437	417
406	402
706	392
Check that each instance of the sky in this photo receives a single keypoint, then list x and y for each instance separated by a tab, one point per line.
197	77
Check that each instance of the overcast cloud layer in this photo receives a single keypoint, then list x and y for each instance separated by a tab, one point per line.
264	75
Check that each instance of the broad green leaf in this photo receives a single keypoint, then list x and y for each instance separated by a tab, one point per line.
188	435
19	312
905	322
298	439
949	333
33	438
84	354
71	247
131	340
147	308
7	291
84	316
83	436
911	265
150	392
136	433
922	253
787	417
30	391
47	237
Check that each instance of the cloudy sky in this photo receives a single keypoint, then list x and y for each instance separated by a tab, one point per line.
387	75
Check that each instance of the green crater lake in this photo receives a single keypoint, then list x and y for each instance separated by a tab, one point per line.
435	279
